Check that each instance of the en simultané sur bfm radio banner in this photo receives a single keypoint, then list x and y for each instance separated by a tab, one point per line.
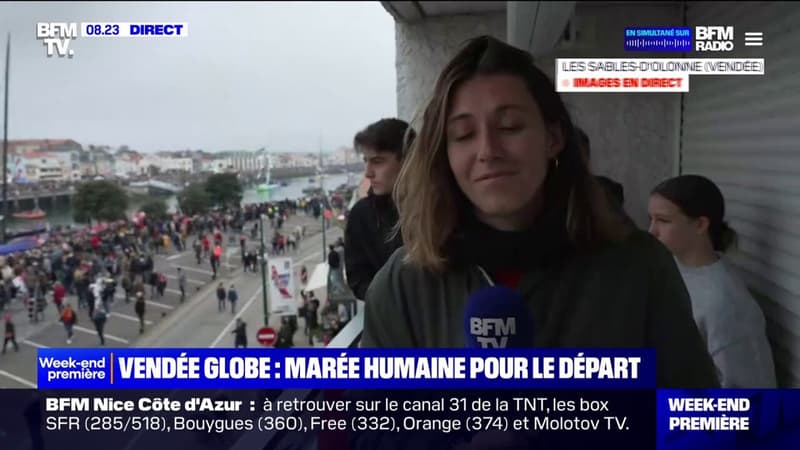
709	48
538	398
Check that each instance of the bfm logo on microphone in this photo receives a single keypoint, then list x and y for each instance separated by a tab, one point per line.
492	332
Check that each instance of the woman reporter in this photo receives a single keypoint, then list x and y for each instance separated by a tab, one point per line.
494	191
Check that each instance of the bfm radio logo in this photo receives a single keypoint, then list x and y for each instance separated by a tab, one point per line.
713	39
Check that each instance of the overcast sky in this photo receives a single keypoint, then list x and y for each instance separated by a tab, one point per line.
249	75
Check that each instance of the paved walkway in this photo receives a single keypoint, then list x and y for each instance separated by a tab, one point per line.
203	325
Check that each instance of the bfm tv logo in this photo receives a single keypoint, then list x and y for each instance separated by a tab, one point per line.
492	332
713	39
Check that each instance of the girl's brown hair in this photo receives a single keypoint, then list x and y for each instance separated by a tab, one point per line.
429	201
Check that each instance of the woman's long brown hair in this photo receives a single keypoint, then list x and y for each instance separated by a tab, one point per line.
429	201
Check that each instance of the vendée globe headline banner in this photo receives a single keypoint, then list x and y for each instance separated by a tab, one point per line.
350	369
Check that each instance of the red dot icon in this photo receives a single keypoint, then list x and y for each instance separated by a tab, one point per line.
565	83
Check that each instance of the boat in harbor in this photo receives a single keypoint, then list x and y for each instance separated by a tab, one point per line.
15	234
312	191
36	213
33	214
267	186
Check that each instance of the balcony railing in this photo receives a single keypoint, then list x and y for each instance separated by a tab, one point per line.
348	337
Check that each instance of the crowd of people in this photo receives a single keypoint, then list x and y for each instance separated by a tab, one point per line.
82	269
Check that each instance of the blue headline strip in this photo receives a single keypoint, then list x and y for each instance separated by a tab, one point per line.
658	39
351	369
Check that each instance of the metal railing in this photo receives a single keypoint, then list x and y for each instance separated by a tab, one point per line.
348	337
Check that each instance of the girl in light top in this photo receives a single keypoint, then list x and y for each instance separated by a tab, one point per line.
686	214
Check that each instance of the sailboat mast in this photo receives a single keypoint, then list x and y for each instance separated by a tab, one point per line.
5	144
269	168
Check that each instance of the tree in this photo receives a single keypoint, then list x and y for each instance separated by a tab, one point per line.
99	200
153	170
224	189
194	199
154	209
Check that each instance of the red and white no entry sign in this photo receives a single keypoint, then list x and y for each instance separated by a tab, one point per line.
266	336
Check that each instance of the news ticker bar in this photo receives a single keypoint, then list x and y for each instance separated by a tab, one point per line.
645	75
635	419
353	369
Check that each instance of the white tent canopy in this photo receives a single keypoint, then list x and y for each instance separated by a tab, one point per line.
319	278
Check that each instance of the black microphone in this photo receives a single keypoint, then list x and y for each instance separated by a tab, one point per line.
497	317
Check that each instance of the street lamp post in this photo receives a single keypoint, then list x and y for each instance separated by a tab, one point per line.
264	292
324	223
320	173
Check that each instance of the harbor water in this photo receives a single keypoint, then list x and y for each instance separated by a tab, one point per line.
61	213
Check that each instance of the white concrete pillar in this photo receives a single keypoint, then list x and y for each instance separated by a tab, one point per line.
423	48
